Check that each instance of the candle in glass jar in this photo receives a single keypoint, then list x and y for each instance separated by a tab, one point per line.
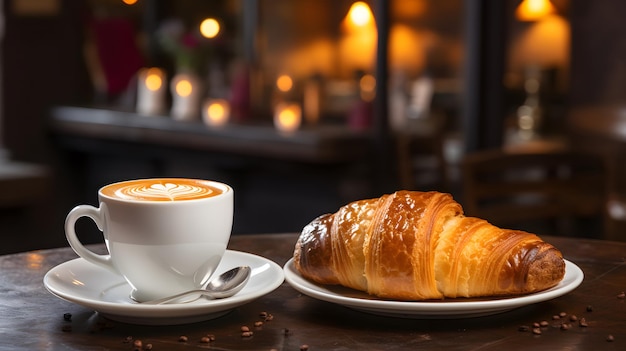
216	112
185	96
151	91
287	116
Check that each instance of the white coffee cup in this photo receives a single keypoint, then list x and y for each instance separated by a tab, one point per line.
163	235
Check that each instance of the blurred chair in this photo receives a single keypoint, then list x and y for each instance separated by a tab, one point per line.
23	211
557	192
420	153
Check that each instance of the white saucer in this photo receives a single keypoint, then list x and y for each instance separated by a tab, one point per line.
94	287
454	308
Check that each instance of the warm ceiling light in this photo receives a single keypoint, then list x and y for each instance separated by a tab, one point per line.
360	13
533	10
209	28
129	2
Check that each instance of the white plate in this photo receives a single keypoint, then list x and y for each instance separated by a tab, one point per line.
456	308
94	287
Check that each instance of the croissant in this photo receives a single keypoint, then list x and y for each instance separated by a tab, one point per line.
413	245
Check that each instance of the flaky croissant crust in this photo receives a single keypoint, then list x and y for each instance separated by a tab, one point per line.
418	245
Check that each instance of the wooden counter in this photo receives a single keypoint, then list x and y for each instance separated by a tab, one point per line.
319	144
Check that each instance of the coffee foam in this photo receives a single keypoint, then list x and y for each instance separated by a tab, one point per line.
163	189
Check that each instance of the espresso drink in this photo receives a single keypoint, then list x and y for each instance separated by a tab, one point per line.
164	235
162	189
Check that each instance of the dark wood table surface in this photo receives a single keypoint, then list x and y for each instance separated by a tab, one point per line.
33	319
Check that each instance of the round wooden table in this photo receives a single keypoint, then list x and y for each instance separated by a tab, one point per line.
34	319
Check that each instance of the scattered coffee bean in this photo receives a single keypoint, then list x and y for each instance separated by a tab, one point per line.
562	314
148	347
246	334
565	326
183	338
582	322
536	331
211	337
137	344
263	314
304	347
589	308
67	316
127	339
555	317
621	295
544	323
66	328
573	318
245	329
205	340
610	338
536	325
258	324
523	328
269	317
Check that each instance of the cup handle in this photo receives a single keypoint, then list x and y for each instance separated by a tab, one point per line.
70	223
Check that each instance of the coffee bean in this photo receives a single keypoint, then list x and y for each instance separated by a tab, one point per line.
536	325
621	295
137	344
573	318
211	337
127	339
263	314
565	326
562	314
610	338
246	334
544	323
555	317
304	347
205	340
148	347
258	324
523	328
183	338
245	329
582	322
536	331
67	316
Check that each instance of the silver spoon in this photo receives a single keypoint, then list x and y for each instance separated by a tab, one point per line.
225	285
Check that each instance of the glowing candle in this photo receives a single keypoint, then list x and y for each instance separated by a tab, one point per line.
287	117
151	91
216	112
185	96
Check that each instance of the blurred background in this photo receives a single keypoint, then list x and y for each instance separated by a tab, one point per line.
302	106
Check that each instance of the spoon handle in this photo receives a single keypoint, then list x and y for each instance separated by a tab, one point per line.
199	292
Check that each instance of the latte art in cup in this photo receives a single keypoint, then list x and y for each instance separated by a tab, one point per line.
163	235
162	189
